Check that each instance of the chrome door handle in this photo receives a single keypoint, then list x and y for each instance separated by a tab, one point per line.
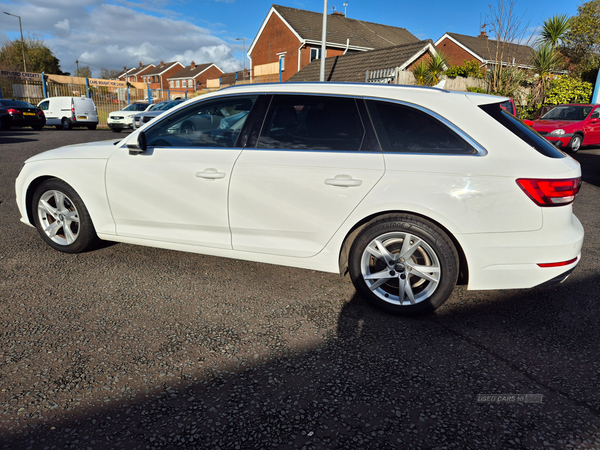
210	174
343	181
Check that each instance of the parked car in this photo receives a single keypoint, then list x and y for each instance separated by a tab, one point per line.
159	108
509	105
570	126
411	190
17	113
120	120
68	112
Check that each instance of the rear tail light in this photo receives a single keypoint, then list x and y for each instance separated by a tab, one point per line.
550	192
14	111
40	113
559	264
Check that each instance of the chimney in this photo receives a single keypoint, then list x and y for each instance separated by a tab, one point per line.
483	35
141	65
124	67
193	65
162	63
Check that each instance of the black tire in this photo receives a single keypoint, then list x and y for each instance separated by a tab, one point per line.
65	124
116	130
575	143
61	217
390	280
92	127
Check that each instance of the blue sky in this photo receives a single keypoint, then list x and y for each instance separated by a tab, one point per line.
116	33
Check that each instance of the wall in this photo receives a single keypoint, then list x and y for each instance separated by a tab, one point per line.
277	38
455	53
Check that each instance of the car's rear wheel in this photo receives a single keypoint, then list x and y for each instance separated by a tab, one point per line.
404	264
61	217
65	124
575	143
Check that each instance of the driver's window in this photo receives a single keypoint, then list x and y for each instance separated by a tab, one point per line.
596	114
44	106
216	123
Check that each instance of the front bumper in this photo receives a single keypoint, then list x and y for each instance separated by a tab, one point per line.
120	126
559	141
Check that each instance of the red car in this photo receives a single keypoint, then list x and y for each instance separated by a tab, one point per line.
570	126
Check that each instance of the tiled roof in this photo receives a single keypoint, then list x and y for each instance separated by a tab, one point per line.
486	49
353	66
124	72
139	69
161	68
309	25
188	72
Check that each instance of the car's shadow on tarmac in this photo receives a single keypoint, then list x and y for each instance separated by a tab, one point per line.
379	382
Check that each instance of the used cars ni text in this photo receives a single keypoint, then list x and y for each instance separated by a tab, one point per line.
570	126
410	190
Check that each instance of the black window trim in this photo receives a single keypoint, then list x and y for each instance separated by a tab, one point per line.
479	149
366	121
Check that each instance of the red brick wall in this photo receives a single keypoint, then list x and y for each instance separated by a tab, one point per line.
456	54
424	57
277	38
208	74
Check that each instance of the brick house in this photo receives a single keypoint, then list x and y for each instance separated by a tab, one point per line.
292	38
138	72
460	48
122	75
157	77
353	67
193	77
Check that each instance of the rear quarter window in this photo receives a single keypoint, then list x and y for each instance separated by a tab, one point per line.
405	129
522	131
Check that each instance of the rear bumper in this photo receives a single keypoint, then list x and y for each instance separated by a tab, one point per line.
510	260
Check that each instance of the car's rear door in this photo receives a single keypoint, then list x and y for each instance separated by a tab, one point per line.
293	186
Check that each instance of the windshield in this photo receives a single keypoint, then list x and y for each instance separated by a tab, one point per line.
568	112
136	107
163	106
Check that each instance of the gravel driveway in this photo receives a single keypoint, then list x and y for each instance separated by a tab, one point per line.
132	347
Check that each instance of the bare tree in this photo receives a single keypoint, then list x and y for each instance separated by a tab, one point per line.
509	49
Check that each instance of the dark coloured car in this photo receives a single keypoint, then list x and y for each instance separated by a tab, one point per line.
570	126
17	113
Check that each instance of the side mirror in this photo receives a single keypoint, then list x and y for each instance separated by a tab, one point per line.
594	120
135	148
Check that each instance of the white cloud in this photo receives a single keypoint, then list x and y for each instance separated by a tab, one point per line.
112	36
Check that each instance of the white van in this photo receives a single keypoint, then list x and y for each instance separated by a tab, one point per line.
69	112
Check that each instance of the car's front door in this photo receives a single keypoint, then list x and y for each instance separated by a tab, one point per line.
176	191
592	128
316	158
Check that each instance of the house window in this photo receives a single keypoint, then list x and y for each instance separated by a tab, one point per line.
171	83
282	62
177	83
315	53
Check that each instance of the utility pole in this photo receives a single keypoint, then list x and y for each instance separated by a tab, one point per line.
77	64
243	57
324	43
22	40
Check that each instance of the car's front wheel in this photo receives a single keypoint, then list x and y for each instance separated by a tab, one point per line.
61	217
404	264
575	143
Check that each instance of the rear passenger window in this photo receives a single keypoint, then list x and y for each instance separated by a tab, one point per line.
306	122
403	129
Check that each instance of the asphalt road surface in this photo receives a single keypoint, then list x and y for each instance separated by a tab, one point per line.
135	347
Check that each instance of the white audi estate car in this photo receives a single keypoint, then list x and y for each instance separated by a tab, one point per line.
410	190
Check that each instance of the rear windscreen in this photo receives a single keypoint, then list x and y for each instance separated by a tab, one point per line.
525	133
